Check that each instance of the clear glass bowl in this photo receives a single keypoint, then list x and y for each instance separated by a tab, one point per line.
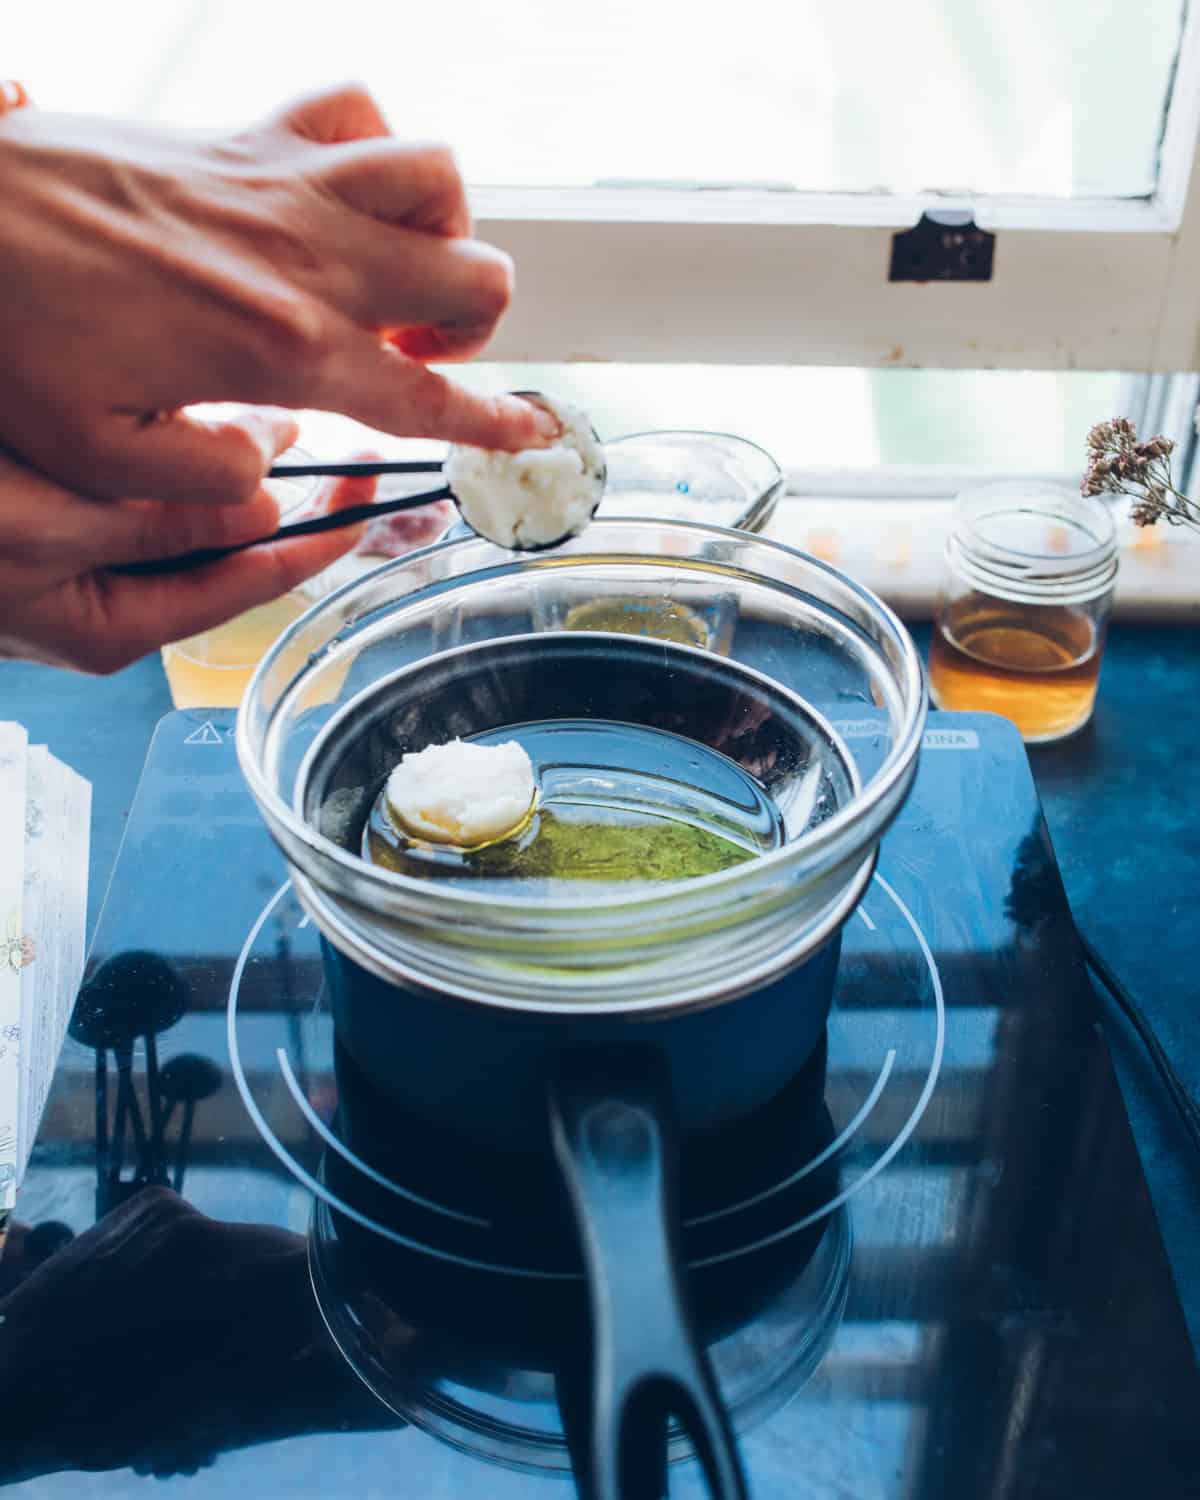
788	626
709	477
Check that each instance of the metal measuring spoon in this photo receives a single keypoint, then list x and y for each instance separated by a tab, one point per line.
353	515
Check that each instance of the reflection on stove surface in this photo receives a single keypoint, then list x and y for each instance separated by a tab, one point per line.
481	1335
161	1338
1010	1325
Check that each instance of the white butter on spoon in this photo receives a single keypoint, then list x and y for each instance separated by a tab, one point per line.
535	498
462	793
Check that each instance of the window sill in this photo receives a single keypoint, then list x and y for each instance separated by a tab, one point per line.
895	547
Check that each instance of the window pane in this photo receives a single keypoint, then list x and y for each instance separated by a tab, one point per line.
1007	421
1049	97
1018	420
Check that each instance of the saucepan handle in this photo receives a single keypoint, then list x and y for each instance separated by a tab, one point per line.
613	1130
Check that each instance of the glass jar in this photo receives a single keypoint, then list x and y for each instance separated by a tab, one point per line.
1020	628
795	623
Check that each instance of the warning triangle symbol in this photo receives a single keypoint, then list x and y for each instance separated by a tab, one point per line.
207	734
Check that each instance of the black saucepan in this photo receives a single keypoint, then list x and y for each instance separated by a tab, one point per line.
591	1101
472	1323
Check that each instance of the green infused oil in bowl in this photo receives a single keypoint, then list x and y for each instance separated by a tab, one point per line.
618	805
664	619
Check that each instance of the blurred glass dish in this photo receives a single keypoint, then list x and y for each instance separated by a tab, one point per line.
663	476
390	536
211	669
711	477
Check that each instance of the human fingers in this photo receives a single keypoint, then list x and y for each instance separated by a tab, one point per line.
384	278
346	112
141	613
49	534
132	531
180	458
415	185
13	95
373	382
443	342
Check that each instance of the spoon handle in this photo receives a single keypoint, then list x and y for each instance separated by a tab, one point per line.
351	516
357	470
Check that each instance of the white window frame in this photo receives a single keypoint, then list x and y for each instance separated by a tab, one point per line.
741	275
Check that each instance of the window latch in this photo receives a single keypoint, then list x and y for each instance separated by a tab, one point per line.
943	246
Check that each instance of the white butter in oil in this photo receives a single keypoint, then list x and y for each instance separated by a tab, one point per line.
462	793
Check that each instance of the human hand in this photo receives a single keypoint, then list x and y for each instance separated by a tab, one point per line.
160	1338
311	261
63	606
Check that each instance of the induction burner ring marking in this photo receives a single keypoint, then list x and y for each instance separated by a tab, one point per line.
866	916
833	1147
918	1109
320	1128
301	1174
319	1190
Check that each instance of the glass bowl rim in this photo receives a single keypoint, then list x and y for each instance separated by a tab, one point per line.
696	432
905	744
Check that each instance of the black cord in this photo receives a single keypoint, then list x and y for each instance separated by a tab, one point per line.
1177	1091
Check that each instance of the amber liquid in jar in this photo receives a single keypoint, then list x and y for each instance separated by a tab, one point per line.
211	670
1038	665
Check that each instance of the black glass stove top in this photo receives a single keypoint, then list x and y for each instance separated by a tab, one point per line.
986	1308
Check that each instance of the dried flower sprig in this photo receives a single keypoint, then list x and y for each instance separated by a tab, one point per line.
1119	465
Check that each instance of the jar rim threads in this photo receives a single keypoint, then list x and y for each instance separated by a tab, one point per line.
1034	543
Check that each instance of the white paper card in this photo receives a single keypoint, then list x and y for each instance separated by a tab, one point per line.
13	952
57	822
